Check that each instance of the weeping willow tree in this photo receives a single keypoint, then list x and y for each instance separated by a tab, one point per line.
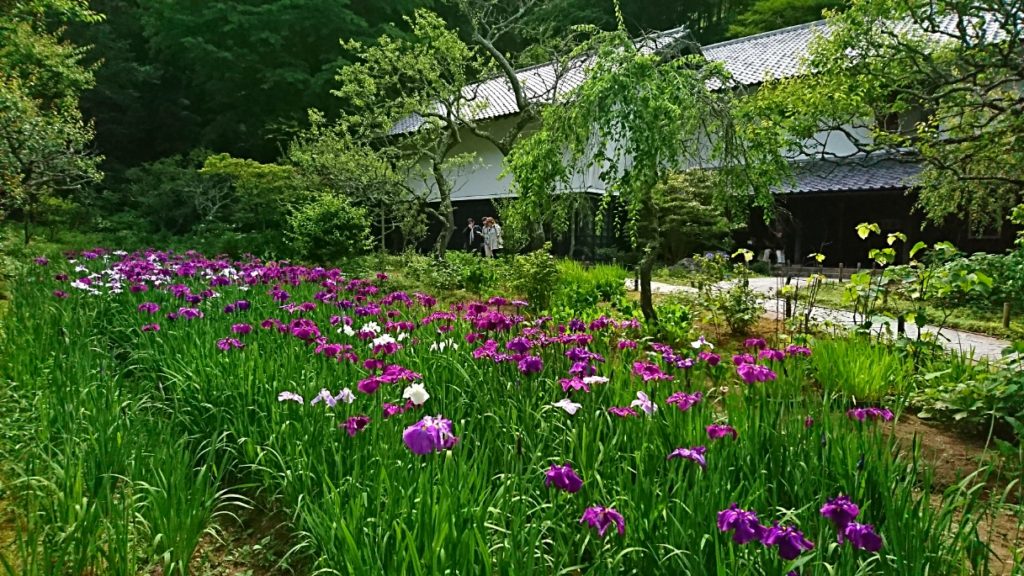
645	111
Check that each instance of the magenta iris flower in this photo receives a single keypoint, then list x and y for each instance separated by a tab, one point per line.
743	524
794	350
751	373
602	518
841	511
789	541
626	345
771	354
862	414
574	383
150	327
649	371
149	307
390	410
241	328
622	411
684	401
862	536
369	385
564	478
355	424
710	358
42	261
431	434
695	454
719	431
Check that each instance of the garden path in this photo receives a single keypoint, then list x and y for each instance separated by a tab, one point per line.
978	345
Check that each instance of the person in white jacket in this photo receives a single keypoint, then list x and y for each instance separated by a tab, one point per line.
493	242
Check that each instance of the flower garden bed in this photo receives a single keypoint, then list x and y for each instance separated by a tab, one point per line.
154	395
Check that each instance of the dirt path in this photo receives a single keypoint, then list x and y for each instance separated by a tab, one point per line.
953	456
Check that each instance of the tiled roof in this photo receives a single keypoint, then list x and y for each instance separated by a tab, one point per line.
775	54
494	98
835	176
751	60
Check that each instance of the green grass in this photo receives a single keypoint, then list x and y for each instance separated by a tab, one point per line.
129	447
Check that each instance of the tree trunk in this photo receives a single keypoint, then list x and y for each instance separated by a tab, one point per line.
646	296
572	235
447	211
27	221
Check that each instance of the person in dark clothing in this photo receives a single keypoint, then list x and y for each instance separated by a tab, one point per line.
474	237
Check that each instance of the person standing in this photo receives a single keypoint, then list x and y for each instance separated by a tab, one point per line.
474	236
493	243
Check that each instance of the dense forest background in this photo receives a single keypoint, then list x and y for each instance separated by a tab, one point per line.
237	76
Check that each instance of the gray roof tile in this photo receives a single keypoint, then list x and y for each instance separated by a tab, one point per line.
834	176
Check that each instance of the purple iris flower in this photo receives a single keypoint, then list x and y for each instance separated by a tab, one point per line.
431	434
684	401
626	344
42	261
531	365
862	536
794	350
862	414
189	313
60	294
241	328
772	354
355	424
790	541
602	518
696	454
740	359
755	343
149	307
150	327
841	511
564	478
519	344
808	422
719	431
226	344
744	524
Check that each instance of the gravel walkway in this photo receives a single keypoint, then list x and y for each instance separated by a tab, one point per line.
978	345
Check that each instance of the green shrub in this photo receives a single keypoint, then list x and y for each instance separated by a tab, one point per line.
533	275
858	370
978	396
328	229
675	322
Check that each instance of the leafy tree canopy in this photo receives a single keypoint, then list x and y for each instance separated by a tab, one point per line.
934	82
